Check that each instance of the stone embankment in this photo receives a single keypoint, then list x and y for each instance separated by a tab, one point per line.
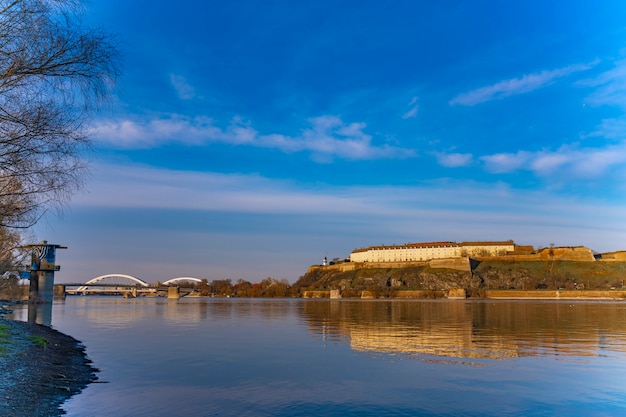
556	294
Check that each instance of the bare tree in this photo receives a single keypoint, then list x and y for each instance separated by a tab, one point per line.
10	251
54	71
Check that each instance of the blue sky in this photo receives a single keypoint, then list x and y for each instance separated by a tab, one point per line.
250	139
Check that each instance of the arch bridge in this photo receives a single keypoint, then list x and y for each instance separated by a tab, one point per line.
131	278
181	279
124	284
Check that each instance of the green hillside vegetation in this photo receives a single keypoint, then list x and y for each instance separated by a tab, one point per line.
567	275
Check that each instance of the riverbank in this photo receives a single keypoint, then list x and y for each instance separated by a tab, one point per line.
40	369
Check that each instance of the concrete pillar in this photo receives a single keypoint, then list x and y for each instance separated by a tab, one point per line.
173	293
59	291
335	294
40	313
41	286
46	286
42	270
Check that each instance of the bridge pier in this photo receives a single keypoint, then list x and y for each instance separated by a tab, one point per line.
131	294
59	291
173	293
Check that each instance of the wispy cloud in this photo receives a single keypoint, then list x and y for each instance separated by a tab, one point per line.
573	161
145	187
327	137
610	87
467	209
183	88
612	129
131	134
515	86
453	160
505	162
412	112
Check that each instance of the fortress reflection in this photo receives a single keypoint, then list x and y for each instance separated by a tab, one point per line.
472	329
476	330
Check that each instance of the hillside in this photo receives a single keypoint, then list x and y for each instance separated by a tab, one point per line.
483	275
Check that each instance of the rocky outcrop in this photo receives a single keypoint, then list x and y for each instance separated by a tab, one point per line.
484	275
384	281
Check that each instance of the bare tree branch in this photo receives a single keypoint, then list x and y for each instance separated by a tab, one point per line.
54	71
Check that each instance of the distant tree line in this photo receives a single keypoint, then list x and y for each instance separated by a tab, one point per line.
268	287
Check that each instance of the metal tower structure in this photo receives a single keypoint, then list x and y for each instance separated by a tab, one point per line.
42	269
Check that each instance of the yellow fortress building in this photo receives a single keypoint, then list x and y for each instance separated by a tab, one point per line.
411	252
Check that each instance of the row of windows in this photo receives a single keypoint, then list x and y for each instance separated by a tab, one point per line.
420	254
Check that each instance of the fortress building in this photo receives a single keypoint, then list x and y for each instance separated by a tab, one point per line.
425	251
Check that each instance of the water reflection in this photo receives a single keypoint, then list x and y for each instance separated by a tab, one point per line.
33	313
472	330
198	357
118	312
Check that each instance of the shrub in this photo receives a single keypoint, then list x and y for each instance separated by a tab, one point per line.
40	341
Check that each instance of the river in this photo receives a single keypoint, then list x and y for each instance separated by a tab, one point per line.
295	357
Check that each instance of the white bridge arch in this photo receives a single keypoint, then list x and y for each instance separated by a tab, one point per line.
181	279
107	276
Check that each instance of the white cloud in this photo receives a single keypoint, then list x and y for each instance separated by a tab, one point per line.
572	161
610	129
610	87
593	164
130	134
453	160
515	86
469	210
544	163
326	138
412	112
183	88
505	162
146	187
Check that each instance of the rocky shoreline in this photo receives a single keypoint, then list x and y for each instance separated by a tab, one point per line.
40	369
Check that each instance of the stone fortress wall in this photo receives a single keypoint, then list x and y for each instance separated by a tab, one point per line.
457	256
618	256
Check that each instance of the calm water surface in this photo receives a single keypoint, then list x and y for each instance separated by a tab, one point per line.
223	357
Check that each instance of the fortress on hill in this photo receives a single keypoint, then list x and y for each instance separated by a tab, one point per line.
412	252
495	250
492	269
